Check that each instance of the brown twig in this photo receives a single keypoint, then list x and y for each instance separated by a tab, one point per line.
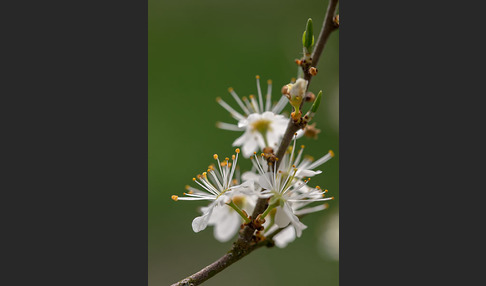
328	26
247	241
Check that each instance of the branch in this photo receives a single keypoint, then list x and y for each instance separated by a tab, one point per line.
219	265
226	260
247	241
328	27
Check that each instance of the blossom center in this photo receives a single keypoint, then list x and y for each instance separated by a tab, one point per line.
261	125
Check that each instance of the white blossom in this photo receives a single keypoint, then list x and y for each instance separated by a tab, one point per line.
287	191
262	123
218	186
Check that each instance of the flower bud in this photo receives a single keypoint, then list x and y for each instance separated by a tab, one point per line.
310	97
308	36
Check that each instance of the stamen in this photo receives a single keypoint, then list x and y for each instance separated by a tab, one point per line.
254	104
259	90
282	102
247	103
175	198
227	126
233	112
237	150
238	100
269	95
215	156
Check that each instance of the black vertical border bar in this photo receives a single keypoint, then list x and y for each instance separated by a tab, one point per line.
74	129
411	143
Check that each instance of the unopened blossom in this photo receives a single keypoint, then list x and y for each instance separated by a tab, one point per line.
296	93
218	187
260	120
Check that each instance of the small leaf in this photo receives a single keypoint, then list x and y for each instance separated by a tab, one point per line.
316	102
308	36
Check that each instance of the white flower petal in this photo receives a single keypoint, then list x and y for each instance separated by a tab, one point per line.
228	226
265	179
294	220
284	237
281	218
307	173
242	139
201	222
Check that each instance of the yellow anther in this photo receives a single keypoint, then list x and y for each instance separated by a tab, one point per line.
257	77
188	187
293	166
269	81
251	96
229	165
218	99
233	157
276	159
262	154
319	188
227	159
215	156
230	89
332	198
237	150
244	98
190	192
325	191
308	157
295	133
204	174
331	153
302	146
224	163
174	197
199	176
194	179
254	153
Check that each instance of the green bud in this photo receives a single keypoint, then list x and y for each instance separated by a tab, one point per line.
316	102
308	36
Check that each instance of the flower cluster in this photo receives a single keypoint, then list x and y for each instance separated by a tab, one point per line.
283	182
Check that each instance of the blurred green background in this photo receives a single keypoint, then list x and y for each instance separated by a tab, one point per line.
197	49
